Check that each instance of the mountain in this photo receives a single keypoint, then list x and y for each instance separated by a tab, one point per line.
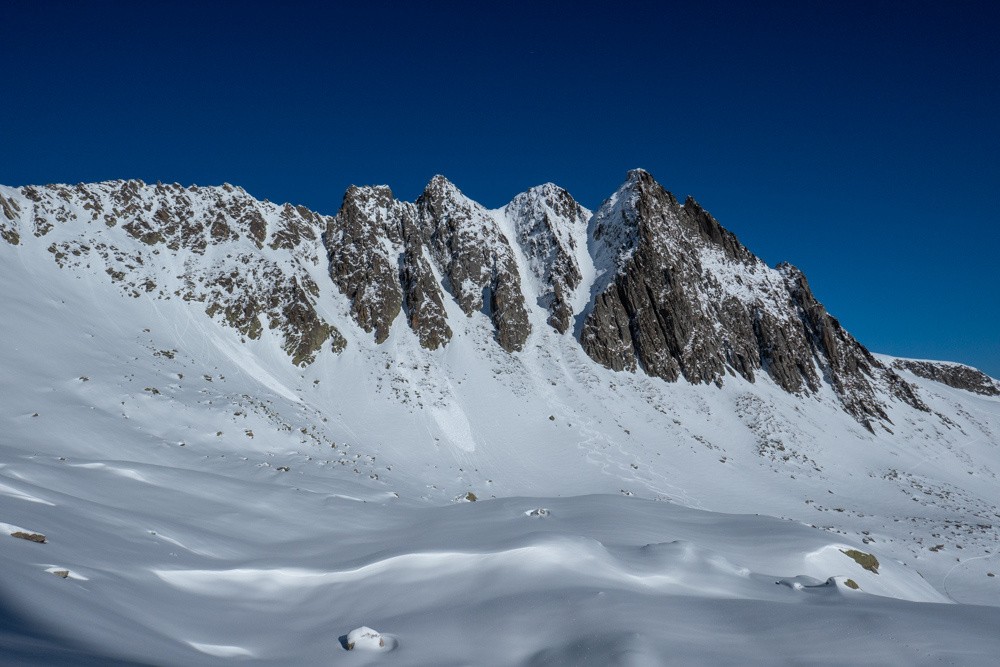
669	291
680	296
210	398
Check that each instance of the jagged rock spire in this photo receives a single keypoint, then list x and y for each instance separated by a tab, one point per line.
550	228
475	260
377	259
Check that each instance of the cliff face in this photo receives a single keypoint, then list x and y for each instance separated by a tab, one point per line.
381	253
378	260
679	296
646	284
475	259
549	224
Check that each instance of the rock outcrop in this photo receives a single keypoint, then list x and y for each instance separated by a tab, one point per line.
9	211
954	375
377	259
363	245
389	256
475	259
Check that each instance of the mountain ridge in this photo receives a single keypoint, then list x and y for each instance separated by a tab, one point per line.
645	283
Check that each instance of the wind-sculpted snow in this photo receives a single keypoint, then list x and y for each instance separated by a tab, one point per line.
440	580
176	579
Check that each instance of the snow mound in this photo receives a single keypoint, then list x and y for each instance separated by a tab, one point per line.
366	639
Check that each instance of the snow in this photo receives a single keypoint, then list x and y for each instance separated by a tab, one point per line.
221	651
21	495
645	523
538	233
613	233
366	639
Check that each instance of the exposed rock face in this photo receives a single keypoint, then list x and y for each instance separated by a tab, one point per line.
850	367
296	226
363	244
377	259
423	302
678	295
547	223
383	254
475	260
655	305
197	244
8	217
958	376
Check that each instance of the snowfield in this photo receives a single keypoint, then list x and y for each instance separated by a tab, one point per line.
205	502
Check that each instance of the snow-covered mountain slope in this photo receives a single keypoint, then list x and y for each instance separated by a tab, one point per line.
238	446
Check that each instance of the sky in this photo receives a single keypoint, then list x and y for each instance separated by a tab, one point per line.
859	141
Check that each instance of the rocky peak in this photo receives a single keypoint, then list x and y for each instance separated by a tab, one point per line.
441	200
642	203
678	295
440	188
553	199
639	211
382	252
369	201
646	313
377	260
475	259
550	228
614	228
647	283
708	228
639	176
363	247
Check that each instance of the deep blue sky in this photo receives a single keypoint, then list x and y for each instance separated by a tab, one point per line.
859	141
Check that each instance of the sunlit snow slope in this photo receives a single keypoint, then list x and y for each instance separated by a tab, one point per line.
210	501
